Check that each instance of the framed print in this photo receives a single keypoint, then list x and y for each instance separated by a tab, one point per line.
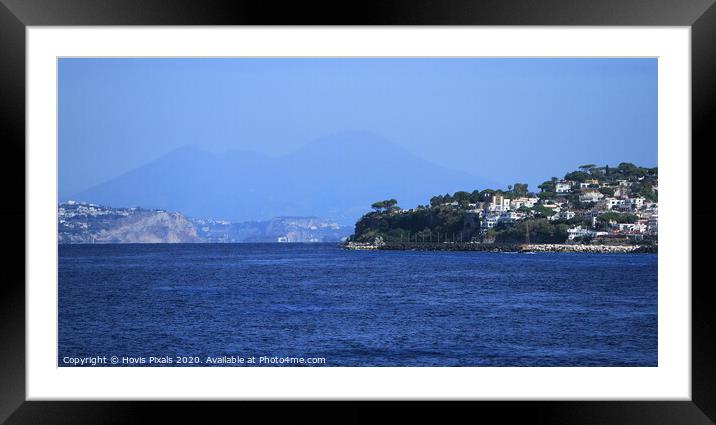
412	202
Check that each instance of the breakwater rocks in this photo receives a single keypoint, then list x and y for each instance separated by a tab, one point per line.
473	246
361	246
599	249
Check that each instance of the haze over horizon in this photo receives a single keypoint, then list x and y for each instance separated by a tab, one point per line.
489	121
336	177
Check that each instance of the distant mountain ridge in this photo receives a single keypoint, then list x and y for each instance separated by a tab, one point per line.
91	223
336	177
278	229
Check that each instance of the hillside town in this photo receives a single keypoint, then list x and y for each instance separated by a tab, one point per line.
595	205
616	214
73	216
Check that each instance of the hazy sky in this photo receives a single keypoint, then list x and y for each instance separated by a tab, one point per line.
507	120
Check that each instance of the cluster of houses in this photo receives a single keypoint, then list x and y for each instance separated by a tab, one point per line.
593	203
71	209
502	209
69	213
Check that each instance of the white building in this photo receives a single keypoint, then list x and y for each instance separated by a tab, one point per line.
613	202
489	221
510	217
499	203
563	186
516	203
636	203
580	232
628	227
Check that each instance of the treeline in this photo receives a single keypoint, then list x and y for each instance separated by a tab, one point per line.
438	224
536	230
465	198
418	224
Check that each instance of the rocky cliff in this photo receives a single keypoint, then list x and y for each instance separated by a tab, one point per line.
156	227
89	223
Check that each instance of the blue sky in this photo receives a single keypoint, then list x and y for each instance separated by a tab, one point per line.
506	120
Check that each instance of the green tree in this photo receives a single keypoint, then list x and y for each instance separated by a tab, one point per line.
462	198
486	195
607	191
627	168
540	231
549	185
645	190
588	168
475	196
378	206
386	205
520	189
577	176
543	211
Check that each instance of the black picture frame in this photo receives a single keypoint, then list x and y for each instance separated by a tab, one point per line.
16	15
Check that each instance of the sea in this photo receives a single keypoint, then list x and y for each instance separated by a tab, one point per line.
318	305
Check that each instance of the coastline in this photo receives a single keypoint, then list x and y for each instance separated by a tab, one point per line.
524	248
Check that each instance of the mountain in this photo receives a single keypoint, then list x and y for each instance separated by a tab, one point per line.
90	223
278	229
338	176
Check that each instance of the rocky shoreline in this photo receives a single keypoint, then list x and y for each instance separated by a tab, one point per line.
470	246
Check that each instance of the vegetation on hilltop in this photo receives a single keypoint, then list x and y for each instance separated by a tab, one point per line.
422	223
641	178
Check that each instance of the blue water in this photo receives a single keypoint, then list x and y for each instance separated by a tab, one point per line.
357	308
